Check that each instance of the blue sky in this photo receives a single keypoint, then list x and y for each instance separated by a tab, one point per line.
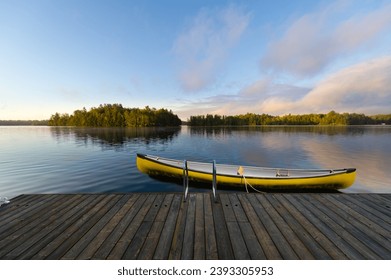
195	57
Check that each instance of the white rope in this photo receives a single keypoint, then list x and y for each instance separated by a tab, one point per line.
247	183
241	172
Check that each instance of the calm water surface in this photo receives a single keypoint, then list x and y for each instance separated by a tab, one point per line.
100	160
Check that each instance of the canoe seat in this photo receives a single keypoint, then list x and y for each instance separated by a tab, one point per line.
282	173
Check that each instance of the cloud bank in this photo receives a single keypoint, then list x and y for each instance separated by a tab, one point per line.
203	46
315	40
364	88
337	45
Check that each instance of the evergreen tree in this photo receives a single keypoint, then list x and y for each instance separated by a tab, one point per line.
251	119
115	115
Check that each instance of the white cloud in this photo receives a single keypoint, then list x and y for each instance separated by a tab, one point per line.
365	87
315	40
202	48
338	35
260	97
257	88
362	88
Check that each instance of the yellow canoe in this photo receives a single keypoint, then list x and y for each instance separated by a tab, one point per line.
260	177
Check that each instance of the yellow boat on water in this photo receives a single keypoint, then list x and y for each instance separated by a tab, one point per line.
259	177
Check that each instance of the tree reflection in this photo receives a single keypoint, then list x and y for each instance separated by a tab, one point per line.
115	138
212	131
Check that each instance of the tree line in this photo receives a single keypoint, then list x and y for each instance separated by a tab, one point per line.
331	118
23	122
115	115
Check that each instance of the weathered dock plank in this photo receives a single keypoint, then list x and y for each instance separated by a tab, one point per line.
163	226
179	230
210	233
224	246
311	247
278	239
350	233
120	247
322	247
165	239
119	230
103	235
150	244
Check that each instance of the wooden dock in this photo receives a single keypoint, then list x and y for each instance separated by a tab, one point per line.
162	226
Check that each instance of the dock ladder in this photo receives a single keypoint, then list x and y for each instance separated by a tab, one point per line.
186	180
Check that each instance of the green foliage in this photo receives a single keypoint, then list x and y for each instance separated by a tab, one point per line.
331	118
23	122
114	115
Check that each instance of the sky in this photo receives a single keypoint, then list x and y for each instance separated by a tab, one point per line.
195	57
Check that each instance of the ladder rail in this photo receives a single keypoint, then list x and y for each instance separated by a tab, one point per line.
214	181
185	180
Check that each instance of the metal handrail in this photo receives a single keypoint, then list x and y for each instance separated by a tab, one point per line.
185	180
214	182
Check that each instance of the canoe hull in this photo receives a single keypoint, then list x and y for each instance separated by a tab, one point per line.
328	179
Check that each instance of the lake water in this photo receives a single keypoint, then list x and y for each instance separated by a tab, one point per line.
101	160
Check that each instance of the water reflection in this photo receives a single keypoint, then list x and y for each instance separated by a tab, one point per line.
315	129
115	138
85	160
364	147
368	153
